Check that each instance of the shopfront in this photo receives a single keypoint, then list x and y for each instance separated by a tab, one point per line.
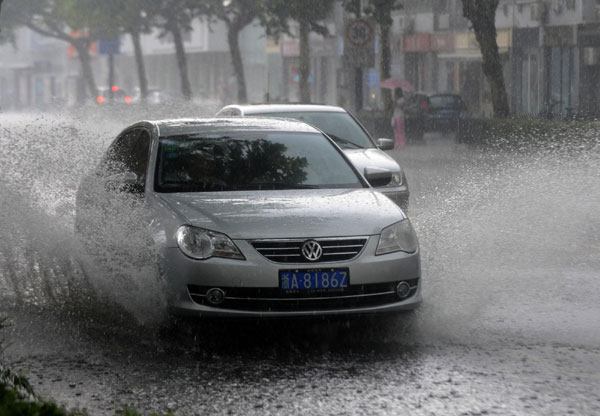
527	72
559	50
589	86
418	61
446	71
460	71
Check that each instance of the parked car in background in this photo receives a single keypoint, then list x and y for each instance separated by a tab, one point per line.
256	217
346	131
113	95
430	112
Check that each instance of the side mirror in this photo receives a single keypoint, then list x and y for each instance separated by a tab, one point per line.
124	182
377	176
385	144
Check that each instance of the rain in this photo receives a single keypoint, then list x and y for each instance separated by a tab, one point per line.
504	199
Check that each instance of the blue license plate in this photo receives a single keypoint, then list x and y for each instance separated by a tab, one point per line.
314	279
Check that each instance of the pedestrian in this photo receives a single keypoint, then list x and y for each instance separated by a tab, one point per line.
398	118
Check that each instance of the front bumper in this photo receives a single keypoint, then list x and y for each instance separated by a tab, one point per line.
252	286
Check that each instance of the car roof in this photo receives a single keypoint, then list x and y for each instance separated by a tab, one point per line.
249	109
234	124
433	94
445	94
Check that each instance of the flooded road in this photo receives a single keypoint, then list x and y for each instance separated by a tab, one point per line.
511	267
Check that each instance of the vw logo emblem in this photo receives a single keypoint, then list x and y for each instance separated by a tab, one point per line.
311	250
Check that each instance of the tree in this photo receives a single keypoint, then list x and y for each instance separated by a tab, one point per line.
174	18
482	15
309	14
6	28
73	21
134	17
236	15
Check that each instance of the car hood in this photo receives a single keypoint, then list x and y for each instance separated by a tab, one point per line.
362	158
287	214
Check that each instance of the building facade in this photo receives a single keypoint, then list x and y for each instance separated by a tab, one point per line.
550	52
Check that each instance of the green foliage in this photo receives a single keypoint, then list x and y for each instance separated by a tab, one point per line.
17	397
179	13
311	12
7	27
12	405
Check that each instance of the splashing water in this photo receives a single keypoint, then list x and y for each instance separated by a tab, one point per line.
508	239
42	260
503	235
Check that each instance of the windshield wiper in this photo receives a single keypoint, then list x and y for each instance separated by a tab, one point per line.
339	140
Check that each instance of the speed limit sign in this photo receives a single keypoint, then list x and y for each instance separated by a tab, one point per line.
359	32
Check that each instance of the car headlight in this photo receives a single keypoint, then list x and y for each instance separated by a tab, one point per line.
397	179
397	237
201	244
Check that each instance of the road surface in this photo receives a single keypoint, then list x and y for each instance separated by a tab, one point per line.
510	323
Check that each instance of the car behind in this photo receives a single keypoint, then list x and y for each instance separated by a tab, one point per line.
433	112
346	131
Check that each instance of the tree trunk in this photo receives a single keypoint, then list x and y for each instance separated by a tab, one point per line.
233	34
141	67
186	88
304	70
482	15
82	48
385	67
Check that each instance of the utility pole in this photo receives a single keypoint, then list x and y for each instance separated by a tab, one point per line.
358	71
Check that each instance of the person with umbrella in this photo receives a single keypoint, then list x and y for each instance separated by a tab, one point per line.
398	118
398	86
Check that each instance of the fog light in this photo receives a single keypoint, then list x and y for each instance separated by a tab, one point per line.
215	296
402	290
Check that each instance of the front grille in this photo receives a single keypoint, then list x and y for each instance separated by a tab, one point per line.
267	299
290	251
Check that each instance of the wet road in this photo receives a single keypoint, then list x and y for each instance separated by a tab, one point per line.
510	323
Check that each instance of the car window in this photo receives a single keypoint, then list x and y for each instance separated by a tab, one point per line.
444	101
416	100
141	154
341	127
130	152
250	161
119	157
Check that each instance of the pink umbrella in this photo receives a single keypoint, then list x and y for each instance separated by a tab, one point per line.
393	83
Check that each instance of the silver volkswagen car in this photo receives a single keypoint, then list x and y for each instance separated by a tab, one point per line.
346	131
260	217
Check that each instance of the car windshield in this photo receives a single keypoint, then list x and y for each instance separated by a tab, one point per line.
250	161
341	127
444	101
